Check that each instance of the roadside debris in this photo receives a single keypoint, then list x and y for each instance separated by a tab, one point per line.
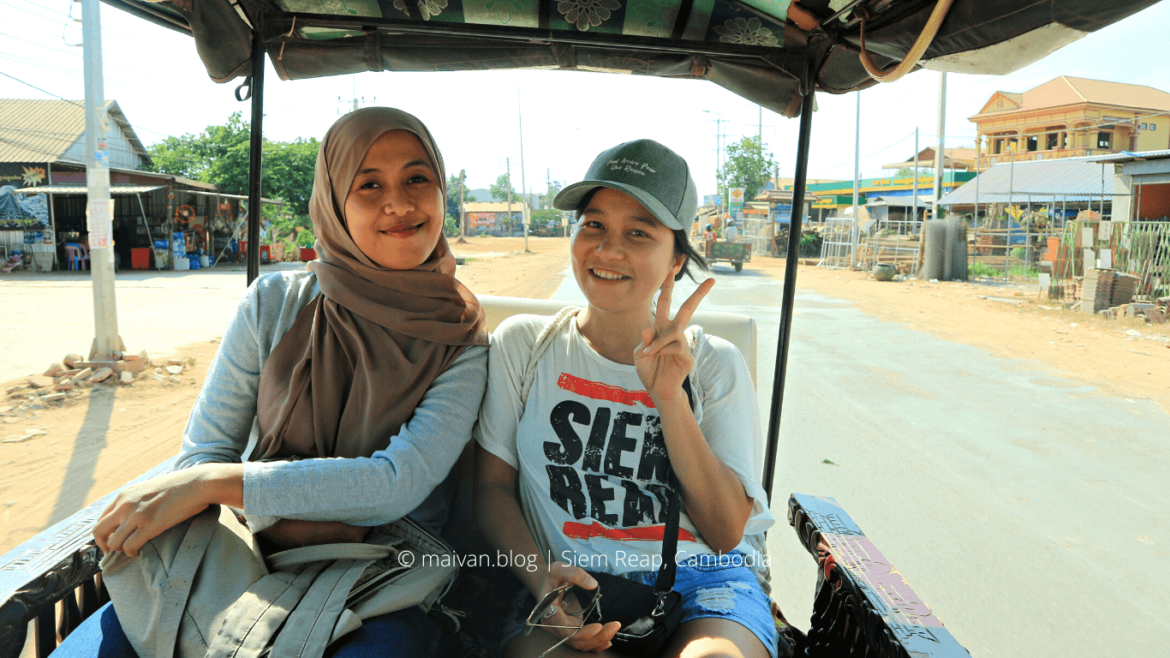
69	377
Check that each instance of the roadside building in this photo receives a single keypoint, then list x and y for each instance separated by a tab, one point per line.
957	159
835	197
497	218
1141	185
42	152
1071	117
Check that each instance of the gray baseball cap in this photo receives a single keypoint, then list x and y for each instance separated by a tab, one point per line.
655	176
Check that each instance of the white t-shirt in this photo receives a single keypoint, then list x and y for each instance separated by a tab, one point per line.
732	233
589	449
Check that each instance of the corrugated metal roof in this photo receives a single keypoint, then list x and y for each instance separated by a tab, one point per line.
1068	179
81	189
1130	156
38	130
43	130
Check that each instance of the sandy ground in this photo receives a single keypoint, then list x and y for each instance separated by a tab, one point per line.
1123	358
104	438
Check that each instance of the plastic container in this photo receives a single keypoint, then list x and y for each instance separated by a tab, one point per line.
182	264
140	258
204	261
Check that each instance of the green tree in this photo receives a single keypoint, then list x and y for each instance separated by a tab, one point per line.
453	196
219	155
500	190
502	187
747	166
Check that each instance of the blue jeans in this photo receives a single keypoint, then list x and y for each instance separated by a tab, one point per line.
712	586
407	632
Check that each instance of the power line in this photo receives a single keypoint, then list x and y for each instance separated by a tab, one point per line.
27	84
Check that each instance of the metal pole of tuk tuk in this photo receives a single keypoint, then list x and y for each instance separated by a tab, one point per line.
789	294
255	149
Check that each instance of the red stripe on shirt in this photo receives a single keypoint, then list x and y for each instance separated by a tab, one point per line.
639	533
599	391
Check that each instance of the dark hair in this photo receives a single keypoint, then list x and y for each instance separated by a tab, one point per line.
682	243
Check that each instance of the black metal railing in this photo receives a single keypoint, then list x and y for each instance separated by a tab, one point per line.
863	608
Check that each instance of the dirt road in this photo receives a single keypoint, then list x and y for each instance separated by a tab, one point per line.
98	442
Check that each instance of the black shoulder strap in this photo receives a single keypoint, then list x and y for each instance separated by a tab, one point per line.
666	573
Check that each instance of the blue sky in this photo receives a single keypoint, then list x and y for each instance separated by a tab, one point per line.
569	117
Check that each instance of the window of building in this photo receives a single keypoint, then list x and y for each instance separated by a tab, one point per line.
998	146
1052	141
1153	127
1143	126
1104	139
1033	143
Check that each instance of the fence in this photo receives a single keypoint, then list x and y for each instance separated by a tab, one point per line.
758	232
837	243
1138	248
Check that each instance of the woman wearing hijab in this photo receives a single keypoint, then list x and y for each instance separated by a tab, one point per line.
341	396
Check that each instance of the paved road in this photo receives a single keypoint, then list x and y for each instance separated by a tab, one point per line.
1027	510
157	312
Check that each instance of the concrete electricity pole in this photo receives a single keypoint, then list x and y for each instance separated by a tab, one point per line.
523	184
100	208
940	153
856	184
462	211
509	165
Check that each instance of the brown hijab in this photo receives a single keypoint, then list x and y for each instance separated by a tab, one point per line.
360	356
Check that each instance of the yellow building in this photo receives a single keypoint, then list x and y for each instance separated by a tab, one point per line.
1072	117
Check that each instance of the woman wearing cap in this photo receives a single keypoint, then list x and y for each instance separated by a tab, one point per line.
356	380
591	433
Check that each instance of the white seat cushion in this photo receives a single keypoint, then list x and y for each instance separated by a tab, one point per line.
740	330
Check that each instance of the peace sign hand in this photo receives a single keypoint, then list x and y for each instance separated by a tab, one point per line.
663	359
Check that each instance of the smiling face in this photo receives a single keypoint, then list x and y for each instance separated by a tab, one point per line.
394	209
621	254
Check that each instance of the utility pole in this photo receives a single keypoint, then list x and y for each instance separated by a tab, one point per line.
523	184
462	212
915	216
939	157
856	183
509	165
100	208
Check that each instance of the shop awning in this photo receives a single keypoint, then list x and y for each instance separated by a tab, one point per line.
901	201
81	189
134	189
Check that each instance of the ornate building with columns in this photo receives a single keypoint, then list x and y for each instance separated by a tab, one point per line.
1071	117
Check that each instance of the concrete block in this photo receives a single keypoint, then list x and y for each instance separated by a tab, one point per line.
64	385
72	360
55	370
40	381
126	377
102	374
83	375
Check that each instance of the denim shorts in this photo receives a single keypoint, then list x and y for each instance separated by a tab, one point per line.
712	586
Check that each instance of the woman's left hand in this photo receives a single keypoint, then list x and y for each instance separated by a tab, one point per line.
663	359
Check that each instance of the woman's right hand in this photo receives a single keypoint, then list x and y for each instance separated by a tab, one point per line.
143	511
591	637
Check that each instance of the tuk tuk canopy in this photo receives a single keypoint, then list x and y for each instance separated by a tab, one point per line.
771	52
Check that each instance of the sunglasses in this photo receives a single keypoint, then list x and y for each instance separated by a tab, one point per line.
567	599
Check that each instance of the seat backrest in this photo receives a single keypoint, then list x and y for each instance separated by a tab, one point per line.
71	251
740	330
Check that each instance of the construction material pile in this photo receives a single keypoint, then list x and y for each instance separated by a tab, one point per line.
1156	312
1097	291
69	377
944	254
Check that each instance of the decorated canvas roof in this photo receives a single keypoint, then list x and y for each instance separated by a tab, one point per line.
768	51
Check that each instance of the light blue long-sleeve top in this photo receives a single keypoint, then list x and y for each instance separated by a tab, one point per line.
404	479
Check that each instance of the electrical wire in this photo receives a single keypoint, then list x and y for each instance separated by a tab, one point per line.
136	128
